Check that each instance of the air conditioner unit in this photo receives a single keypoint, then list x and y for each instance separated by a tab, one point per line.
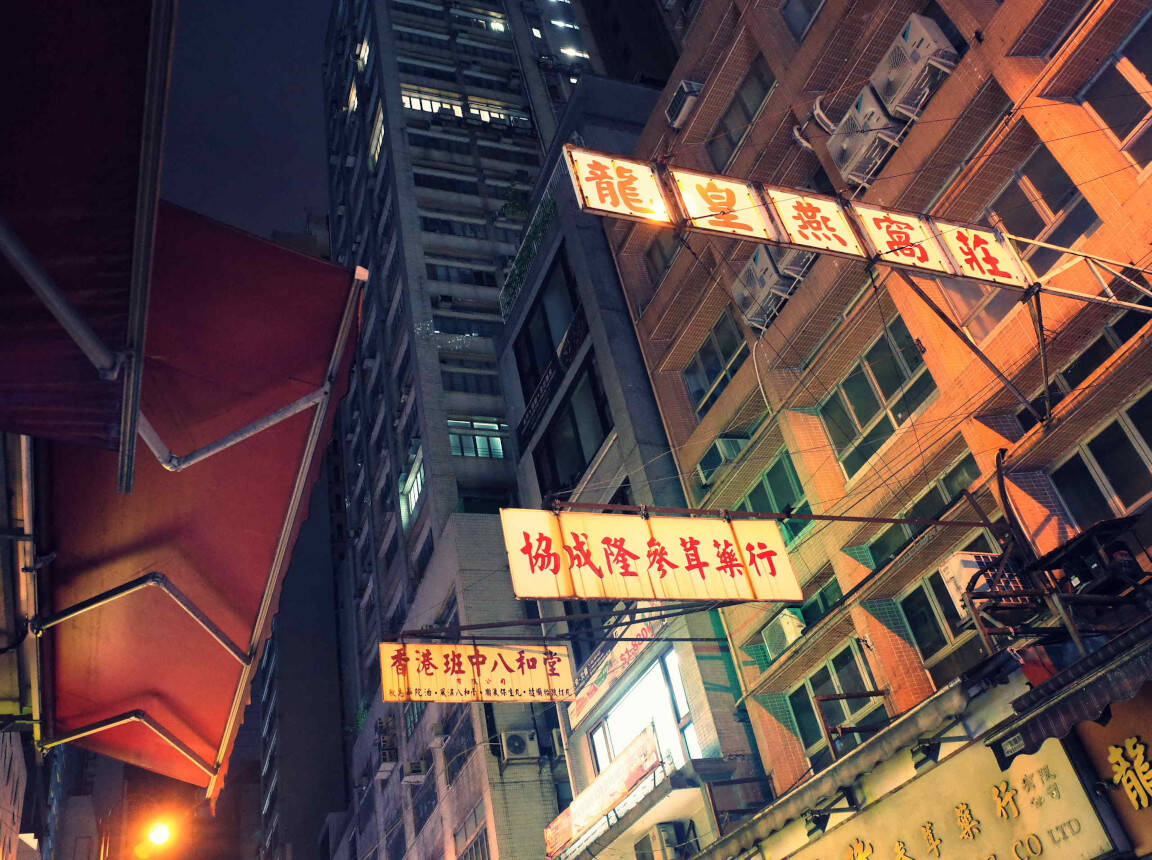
760	290
913	67
519	746
414	772
557	743
782	631
863	137
672	840
724	450
794	262
958	570
682	102
389	757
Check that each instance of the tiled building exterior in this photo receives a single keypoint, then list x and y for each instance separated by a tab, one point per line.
830	387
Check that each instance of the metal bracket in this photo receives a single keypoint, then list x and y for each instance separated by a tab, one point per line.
37	626
136	716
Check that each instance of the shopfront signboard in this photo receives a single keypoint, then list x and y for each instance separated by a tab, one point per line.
442	672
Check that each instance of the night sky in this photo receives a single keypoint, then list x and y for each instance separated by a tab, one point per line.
245	132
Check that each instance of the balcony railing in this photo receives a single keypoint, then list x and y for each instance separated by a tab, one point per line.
550	379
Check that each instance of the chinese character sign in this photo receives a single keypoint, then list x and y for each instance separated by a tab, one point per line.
902	239
616	186
981	254
441	672
596	556
722	204
815	222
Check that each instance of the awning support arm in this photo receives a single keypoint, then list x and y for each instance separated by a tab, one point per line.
1037	311
137	716
38	625
106	362
968	342
177	463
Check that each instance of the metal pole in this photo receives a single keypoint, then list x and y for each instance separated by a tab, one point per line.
106	362
968	342
1037	313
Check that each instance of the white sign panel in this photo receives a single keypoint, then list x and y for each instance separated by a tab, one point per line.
814	222
902	239
723	205
981	254
617	186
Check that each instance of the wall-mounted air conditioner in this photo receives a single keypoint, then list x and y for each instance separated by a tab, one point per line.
415	772
863	137
519	746
760	290
913	67
782	631
682	101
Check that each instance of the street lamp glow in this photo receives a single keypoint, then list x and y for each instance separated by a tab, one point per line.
160	833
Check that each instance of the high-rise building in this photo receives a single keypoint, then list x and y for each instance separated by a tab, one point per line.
914	705
436	113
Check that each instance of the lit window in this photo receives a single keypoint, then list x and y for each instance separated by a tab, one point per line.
362	54
1121	96
376	139
411	489
566	25
574	52
573	80
353	101
878	395
477	437
432	101
497	26
536	32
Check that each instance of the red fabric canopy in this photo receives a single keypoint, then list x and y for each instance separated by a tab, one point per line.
238	328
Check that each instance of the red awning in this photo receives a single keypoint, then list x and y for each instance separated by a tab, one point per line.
237	329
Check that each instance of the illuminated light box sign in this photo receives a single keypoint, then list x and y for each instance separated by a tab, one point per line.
593	556
789	217
441	672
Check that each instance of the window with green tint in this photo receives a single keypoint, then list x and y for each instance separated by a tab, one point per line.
806	721
845	672
927	631
738	116
779	489
1121	95
876	396
716	362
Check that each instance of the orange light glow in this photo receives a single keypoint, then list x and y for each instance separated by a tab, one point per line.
160	833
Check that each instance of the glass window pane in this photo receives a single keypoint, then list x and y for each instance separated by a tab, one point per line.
906	346
922	621
1080	493
1017	212
600	749
780	483
679	696
889	375
692	741
952	616
989	316
728	336
850	678
861	395
1128	324
823	685
872	442
1140	147
806	722
914	397
798	15
1117	101
1049	178
758	499
887	544
711	361
964	296
960	477
1140	414
837	422
696	381
1088	361
1126	472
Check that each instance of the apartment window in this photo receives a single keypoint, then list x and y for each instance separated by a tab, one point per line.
432	101
932	616
515	156
745	104
878	395
822	602
471	837
978	307
779	489
422	37
397	842
1111	474
1041	202
460	275
545	325
362	53
941	493
413	711
799	15
845	672
1121	95
459	746
657	699
452	227
477	437
660	253
444	182
470	376
715	363
424	801
467	325
376	138
353	98
1113	335
578	428
420	69
411	490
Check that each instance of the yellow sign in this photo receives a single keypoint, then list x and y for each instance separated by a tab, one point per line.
595	556
966	807
790	217
723	205
617	186
440	672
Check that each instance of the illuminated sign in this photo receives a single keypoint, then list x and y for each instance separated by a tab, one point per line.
441	672
967	807
594	556
617	186
790	217
638	759
590	690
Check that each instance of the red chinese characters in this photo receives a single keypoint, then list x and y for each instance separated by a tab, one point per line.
981	254
616	190
722	202
814	225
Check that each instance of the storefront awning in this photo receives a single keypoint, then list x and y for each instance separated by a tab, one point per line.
160	598
1081	692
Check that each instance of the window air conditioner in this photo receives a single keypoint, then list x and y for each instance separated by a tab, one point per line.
724	450
439	735
415	772
863	138
761	290
682	102
519	746
958	570
782	631
913	67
